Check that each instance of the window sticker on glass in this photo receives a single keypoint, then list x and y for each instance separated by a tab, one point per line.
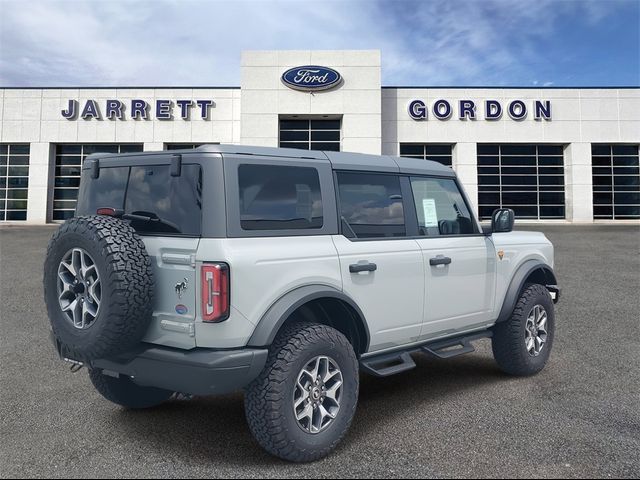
430	214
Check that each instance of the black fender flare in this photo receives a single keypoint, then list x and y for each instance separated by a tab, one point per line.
517	283
273	319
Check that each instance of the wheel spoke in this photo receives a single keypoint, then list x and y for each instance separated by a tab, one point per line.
332	393
530	344
90	271
324	413
542	322
70	306
66	287
83	265
316	369
303	396
306	413
330	375
93	294
77	314
91	309
65	275
76	260
69	267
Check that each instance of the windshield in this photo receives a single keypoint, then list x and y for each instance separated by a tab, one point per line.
157	202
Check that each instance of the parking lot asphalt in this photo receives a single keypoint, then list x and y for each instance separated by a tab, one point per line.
457	418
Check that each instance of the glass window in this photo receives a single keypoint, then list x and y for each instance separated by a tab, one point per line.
174	204
371	205
69	159
279	198
428	151
527	178
166	204
310	134
616	181
14	181
440	207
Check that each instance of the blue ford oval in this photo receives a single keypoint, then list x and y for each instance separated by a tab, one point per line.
311	78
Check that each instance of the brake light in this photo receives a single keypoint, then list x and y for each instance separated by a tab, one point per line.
215	292
109	211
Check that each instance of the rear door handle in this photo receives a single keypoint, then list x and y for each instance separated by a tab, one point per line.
439	260
362	267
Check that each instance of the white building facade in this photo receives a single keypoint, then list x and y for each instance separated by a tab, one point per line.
552	154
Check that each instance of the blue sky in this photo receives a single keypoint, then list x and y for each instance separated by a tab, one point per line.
440	42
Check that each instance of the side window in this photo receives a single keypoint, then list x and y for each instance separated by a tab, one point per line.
279	198
440	207
371	205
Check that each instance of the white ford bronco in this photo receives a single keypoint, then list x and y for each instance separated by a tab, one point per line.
286	273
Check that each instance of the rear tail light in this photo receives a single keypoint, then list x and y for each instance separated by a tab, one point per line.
215	292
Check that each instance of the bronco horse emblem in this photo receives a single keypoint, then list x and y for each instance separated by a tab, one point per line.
182	286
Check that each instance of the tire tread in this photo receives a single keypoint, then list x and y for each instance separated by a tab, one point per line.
265	396
507	342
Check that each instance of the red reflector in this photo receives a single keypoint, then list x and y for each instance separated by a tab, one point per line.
215	292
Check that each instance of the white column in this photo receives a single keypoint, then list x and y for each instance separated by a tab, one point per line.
578	183
41	176
153	146
465	164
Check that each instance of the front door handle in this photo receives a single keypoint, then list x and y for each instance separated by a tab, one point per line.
362	267
439	260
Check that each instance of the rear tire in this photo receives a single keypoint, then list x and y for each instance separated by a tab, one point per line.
122	391
289	421
522	344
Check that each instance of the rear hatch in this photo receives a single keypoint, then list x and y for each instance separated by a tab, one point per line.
167	211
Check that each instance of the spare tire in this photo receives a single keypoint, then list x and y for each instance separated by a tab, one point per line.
98	287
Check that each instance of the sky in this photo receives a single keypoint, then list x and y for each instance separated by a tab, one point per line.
423	43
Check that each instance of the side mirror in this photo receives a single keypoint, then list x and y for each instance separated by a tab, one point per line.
502	220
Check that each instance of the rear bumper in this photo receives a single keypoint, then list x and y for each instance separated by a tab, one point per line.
200	371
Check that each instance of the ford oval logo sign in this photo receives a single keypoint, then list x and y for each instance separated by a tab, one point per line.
311	78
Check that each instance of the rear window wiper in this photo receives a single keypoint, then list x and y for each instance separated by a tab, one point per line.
138	217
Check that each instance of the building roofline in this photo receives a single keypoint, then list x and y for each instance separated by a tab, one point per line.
385	87
120	88
494	87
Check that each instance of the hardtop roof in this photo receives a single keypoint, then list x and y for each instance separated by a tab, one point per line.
338	160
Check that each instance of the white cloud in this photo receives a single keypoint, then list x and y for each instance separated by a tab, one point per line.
190	42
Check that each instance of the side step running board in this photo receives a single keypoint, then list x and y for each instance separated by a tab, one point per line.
388	364
444	348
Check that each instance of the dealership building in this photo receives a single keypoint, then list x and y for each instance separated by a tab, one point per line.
551	154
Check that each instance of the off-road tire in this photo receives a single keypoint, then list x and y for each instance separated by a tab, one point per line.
269	398
122	391
508	342
126	282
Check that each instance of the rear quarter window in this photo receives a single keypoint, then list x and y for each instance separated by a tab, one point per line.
279	198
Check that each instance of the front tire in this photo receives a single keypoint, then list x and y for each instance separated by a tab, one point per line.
522	344
122	391
289	412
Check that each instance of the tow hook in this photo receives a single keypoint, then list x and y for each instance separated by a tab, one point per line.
554	291
76	366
